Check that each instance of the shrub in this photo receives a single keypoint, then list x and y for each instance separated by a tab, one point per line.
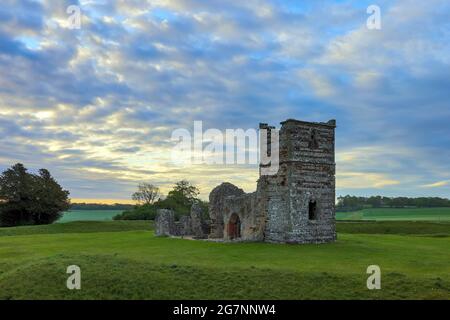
141	212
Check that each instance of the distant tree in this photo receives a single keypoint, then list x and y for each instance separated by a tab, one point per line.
375	201
147	193
352	203
184	191
30	199
180	198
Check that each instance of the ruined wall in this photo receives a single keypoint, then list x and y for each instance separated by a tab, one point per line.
165	222
193	225
275	192
306	179
297	205
216	207
183	227
199	228
252	219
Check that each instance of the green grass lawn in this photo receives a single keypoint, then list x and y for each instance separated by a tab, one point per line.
89	215
78	227
400	214
433	229
124	260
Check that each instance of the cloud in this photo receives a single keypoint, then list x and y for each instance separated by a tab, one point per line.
97	105
437	184
358	180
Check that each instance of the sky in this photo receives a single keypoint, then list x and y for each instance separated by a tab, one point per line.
97	105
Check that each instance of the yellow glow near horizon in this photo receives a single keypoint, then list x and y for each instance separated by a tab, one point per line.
102	201
436	184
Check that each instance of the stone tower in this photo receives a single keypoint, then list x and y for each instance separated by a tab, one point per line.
294	203
300	198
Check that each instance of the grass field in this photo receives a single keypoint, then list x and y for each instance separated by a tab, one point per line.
124	260
400	214
88	215
391	214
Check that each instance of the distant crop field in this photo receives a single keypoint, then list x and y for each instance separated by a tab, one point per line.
397	214
88	215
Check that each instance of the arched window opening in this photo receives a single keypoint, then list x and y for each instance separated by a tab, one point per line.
312	210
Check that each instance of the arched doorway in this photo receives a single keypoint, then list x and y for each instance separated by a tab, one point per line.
234	227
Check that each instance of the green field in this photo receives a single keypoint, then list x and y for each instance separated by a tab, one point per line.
388	214
124	260
401	214
89	215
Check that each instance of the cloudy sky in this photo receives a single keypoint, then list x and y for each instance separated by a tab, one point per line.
97	105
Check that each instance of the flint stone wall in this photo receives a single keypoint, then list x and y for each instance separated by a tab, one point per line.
199	226
306	174
217	207
252	216
279	209
165	222
183	226
193	225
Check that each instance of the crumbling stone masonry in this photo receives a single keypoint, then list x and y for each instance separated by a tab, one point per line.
165	223
296	205
193	225
199	227
217	199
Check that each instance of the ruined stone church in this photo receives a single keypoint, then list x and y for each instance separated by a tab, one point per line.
295	205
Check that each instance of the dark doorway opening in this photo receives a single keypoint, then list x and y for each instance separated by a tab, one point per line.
312	211
234	227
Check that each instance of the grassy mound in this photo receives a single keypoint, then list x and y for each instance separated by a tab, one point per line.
109	277
124	260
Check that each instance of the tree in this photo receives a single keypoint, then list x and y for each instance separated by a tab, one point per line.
30	199
375	201
180	198
147	193
184	190
15	196
51	199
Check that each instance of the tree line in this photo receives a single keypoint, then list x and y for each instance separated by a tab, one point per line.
353	203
